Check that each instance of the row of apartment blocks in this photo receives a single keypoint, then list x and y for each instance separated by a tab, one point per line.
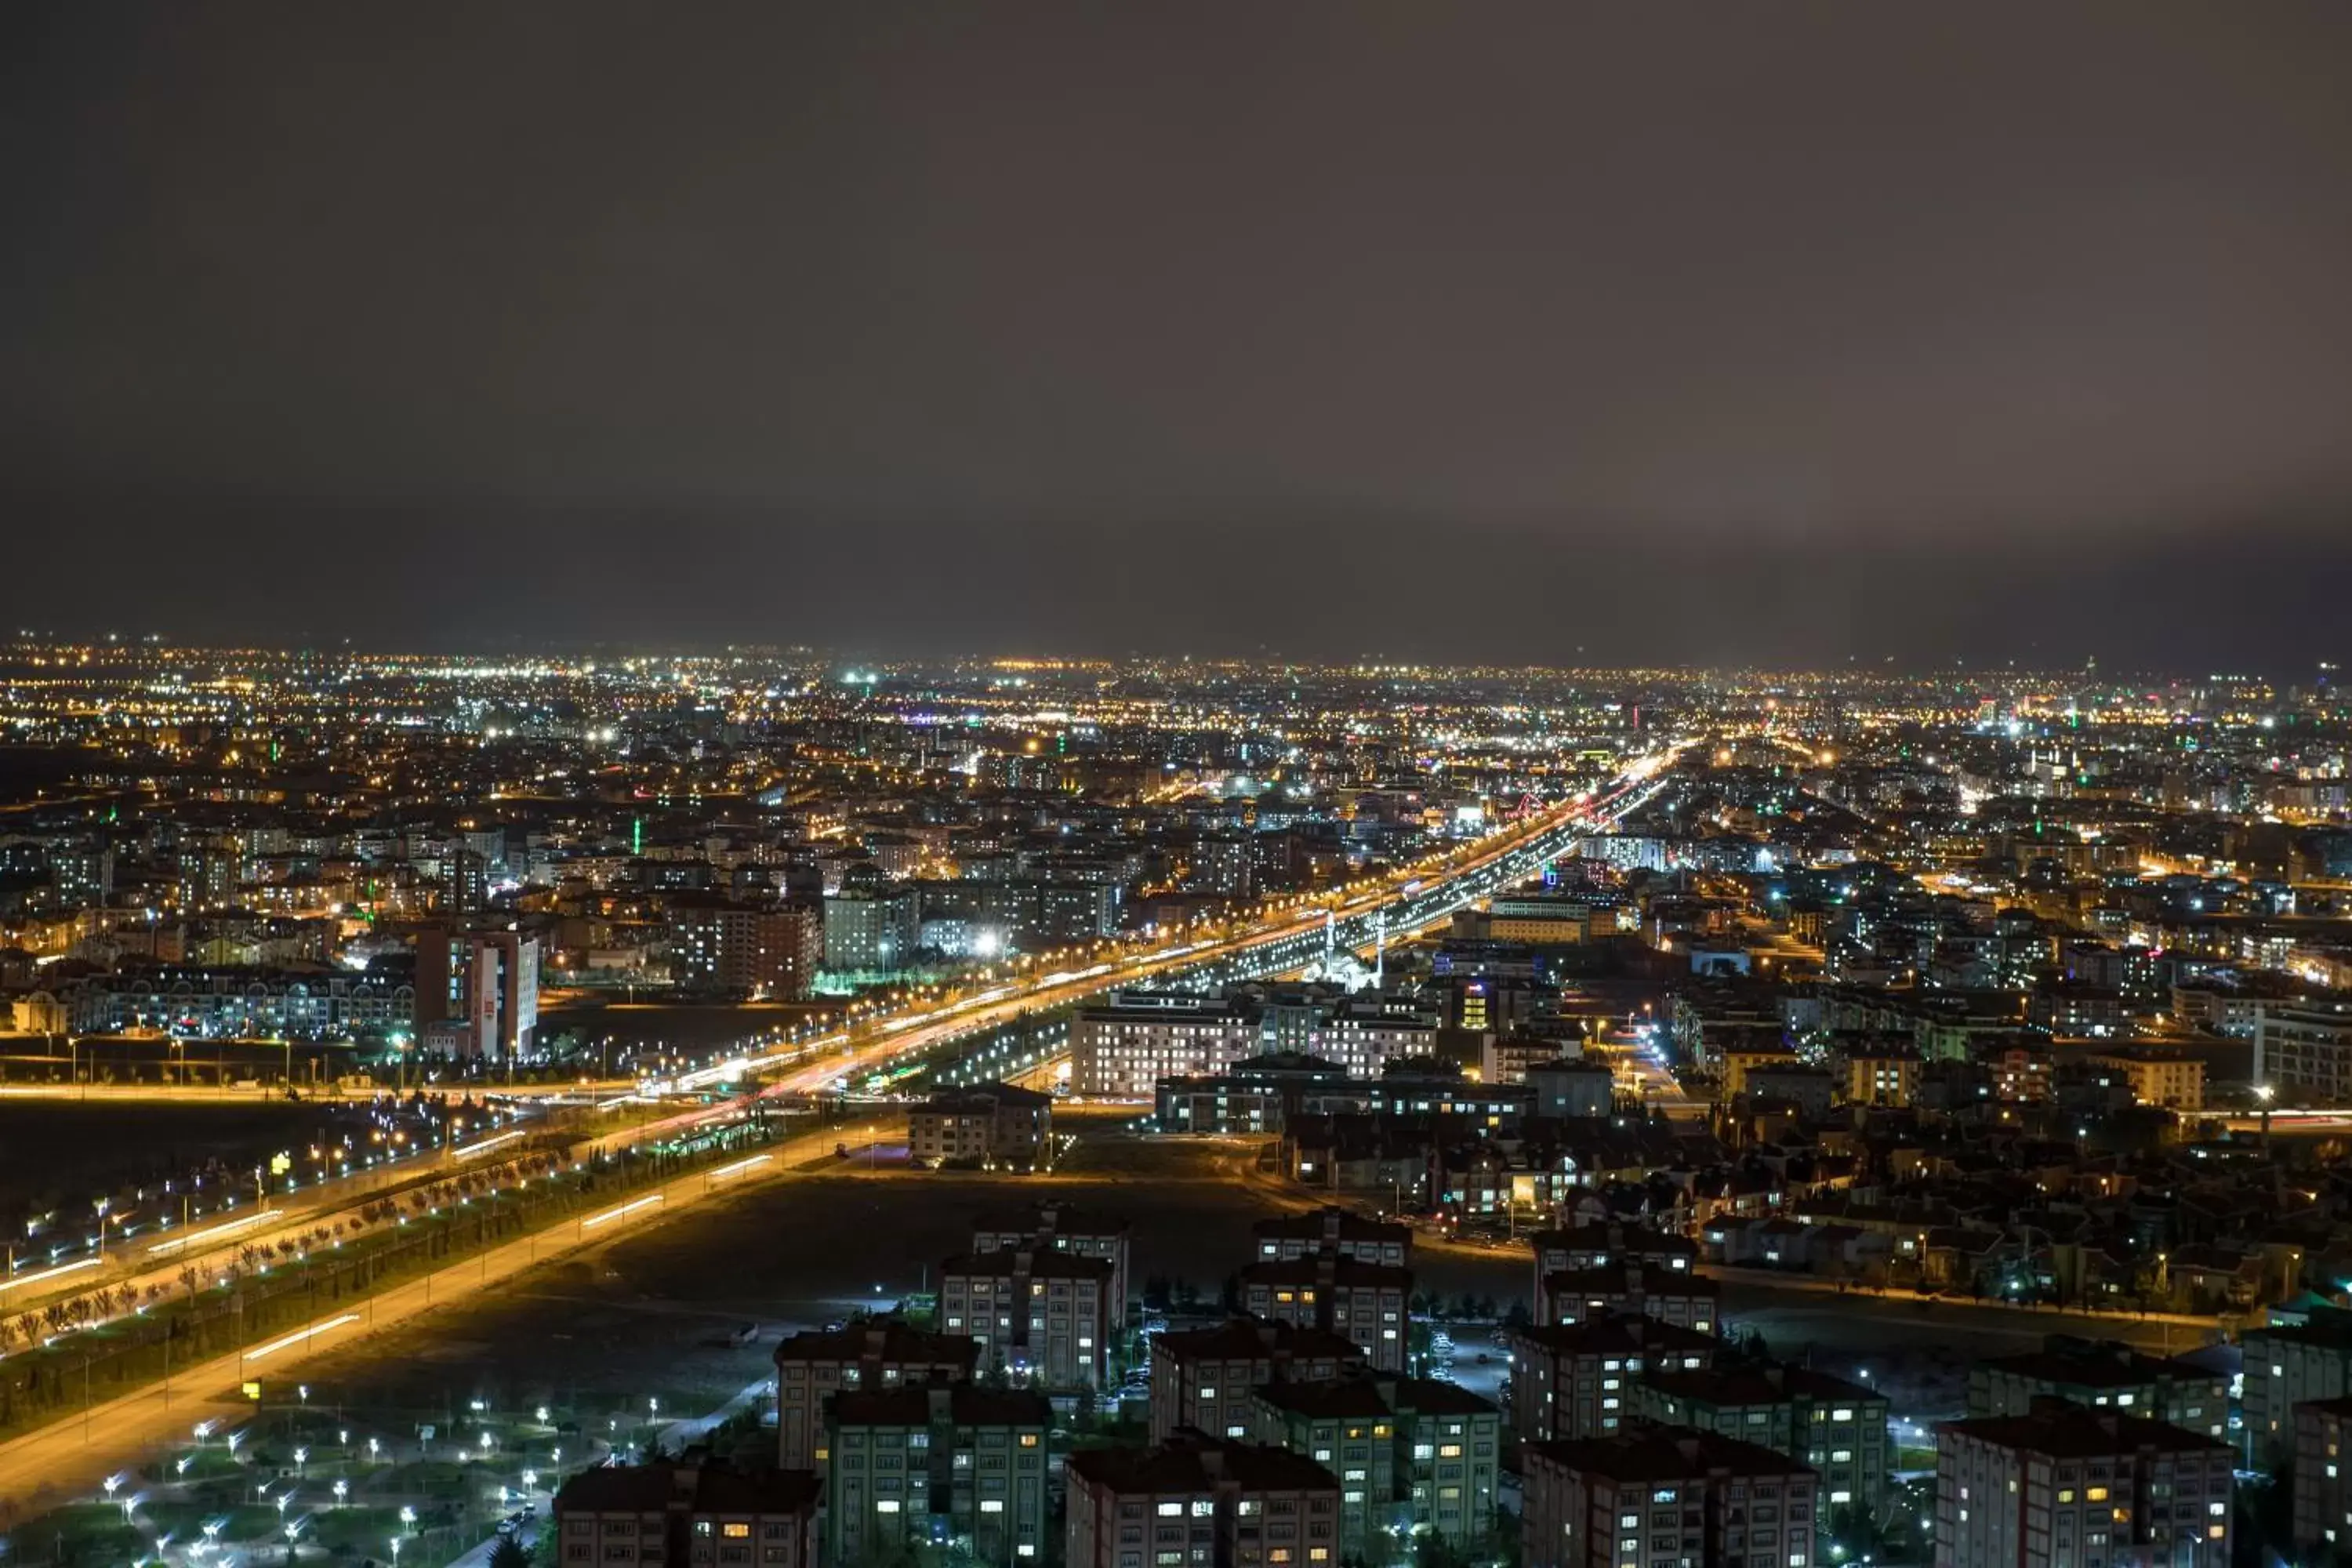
1268	1094
1126	1046
2057	1486
908	1449
1040	1297
1290	1437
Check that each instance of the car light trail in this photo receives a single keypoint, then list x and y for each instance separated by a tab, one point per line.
471	1149
301	1335
740	1165
209	1232
594	1221
15	1280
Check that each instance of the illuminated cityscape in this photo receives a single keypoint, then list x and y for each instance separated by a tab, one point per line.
1175	787
1558	1088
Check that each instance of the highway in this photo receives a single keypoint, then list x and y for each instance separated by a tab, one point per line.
211	1243
71	1455
1411	899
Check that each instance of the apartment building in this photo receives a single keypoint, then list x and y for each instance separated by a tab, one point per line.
993	1124
914	1465
698	1514
1204	1378
2322	1487
1348	1427
1366	1303
1577	1380
2158	1076
2109	1375
724	947
1412	1455
1670	1295
2303	1050
1880	1078
1665	1495
1200	1501
1333	1232
1060	1227
1125	1047
881	1353
2286	1364
1836	1427
1035	1314
2064	1487
1590	1249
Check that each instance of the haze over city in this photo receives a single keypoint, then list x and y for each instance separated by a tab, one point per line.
1161	785
1772	336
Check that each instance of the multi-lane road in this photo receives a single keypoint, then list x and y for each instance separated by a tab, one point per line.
1409	900
70	1455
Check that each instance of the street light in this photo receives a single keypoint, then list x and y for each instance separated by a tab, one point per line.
342	1489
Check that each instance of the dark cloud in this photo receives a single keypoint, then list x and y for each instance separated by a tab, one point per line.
1772	331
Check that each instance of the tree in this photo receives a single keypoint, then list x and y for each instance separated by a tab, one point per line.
509	1553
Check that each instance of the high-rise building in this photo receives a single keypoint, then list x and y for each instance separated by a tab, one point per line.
484	984
725	947
869	929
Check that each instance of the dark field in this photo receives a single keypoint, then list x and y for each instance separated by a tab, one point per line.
650	1314
54	1150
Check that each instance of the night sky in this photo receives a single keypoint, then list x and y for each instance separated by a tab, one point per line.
1618	332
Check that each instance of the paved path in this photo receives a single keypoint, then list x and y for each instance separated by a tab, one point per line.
672	1437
